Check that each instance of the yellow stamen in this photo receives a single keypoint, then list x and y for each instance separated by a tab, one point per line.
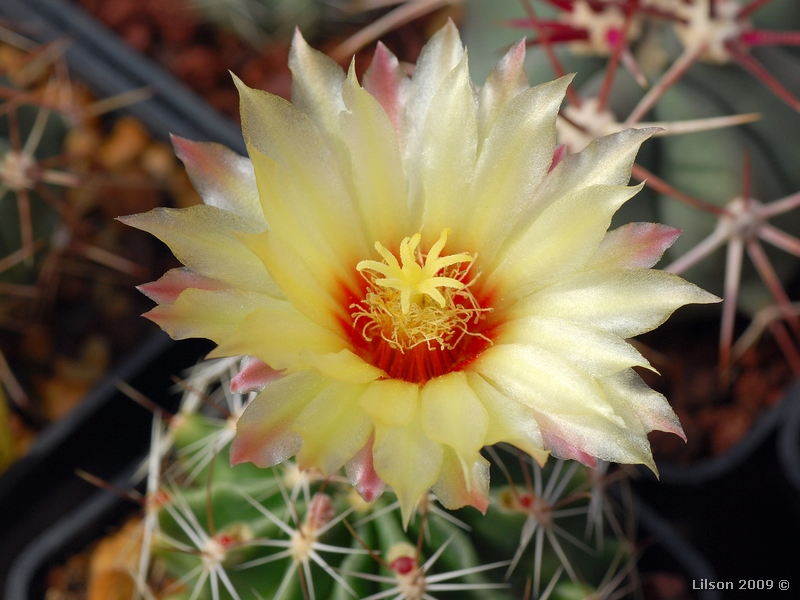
415	282
426	300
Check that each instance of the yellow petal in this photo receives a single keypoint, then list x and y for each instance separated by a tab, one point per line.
509	421
451	144
333	428
438	57
210	314
204	239
513	160
390	402
606	161
627	302
436	60
264	434
452	414
310	292
305	193
592	349
408	460
377	166
341	366
650	407
316	85
562	239
278	336
542	380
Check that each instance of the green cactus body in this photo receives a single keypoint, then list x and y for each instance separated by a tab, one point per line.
226	532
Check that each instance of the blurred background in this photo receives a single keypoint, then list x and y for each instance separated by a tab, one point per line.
91	90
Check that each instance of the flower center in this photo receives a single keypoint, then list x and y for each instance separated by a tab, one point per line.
417	312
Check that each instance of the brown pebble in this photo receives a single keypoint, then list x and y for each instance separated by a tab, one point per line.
225	100
120	12
159	161
175	20
59	395
665	586
111	585
138	34
726	425
127	140
81	142
200	67
113	559
751	389
37	343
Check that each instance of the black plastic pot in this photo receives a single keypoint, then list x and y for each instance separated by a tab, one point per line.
672	553
69	535
107	431
101	436
108	66
739	509
789	443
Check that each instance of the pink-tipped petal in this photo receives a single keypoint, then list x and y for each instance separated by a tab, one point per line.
264	434
361	472
206	240
253	376
626	388
635	245
560	448
452	488
170	285
223	178
387	81
505	81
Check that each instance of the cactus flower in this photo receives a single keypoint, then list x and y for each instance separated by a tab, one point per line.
425	278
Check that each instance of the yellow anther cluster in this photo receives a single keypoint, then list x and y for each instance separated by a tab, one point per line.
423	301
416	282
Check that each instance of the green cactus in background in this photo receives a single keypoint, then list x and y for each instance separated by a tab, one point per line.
58	159
30	136
31	193
221	532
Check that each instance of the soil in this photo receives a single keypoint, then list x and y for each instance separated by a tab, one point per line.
72	312
714	416
202	54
